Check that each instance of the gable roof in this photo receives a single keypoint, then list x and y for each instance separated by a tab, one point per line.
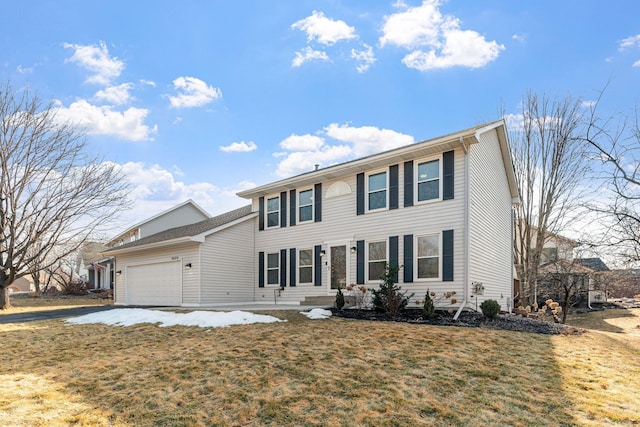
141	223
187	233
408	152
595	264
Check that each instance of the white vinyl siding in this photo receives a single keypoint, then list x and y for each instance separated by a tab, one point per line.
305	266
272	213
305	205
377	191
428	257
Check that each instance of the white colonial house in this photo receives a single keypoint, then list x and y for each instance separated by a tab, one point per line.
440	210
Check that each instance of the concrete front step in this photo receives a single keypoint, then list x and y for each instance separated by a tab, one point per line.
327	301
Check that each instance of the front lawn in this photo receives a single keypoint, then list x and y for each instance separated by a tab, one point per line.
335	372
25	303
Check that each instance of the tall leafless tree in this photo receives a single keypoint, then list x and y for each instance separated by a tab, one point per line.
53	194
550	163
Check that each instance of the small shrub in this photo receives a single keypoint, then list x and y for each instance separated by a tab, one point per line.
490	308
339	299
389	298
75	287
428	309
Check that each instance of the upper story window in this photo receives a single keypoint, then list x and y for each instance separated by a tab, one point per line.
273	212
377	191
428	180
377	258
305	205
549	255
305	263
428	257
273	269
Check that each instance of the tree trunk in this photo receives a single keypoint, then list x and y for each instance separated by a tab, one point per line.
4	298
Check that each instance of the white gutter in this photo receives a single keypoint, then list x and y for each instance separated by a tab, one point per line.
465	280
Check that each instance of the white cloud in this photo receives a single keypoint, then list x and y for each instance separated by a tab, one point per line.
308	54
305	161
365	58
519	37
148	82
116	94
239	147
302	143
95	120
368	140
324	30
636	64
97	60
633	41
24	70
435	40
193	92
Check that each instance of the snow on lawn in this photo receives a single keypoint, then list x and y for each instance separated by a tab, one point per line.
317	313
203	319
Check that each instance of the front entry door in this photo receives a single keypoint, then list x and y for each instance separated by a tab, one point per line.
338	266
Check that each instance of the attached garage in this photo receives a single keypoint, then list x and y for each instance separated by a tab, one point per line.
154	284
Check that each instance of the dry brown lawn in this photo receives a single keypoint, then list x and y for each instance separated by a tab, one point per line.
334	372
43	303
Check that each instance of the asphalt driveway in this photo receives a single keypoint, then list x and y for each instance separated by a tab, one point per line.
52	314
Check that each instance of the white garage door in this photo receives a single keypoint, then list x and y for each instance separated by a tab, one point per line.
154	284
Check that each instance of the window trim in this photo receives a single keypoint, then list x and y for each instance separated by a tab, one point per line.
267	211
416	272
367	260
416	187
266	268
386	189
311	205
300	266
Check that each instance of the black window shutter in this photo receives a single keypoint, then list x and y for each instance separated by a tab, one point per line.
447	175
292	267
393	187
393	255
317	266
261	217
360	194
447	256
408	183
408	258
283	209
283	268
317	202
292	207
360	262
261	269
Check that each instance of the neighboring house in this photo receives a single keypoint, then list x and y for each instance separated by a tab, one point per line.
101	271
441	210
23	284
193	265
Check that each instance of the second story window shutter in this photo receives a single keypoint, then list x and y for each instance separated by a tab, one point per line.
448	160
360	262
317	266
408	183
283	209
292	267
360	194
393	187
317	202
408	258
292	207
283	268
261	217
261	269
447	256
393	255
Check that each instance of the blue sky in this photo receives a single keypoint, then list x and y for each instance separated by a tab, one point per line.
201	99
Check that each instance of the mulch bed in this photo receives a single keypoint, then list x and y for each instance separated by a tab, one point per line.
508	322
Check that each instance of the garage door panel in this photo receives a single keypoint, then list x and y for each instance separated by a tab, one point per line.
154	284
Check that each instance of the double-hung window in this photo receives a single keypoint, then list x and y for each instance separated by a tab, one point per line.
273	269
428	180
305	266
377	191
273	212
428	255
377	258
305	205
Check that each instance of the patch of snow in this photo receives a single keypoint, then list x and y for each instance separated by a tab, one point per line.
317	313
202	319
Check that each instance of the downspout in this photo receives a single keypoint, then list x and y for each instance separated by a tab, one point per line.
465	279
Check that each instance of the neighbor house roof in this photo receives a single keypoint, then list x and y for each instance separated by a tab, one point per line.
187	233
462	138
595	264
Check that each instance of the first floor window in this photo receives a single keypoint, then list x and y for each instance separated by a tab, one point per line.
428	257
273	212
305	206
273	269
377	259
377	191
306	266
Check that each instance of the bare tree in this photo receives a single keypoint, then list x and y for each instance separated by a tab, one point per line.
550	163
53	194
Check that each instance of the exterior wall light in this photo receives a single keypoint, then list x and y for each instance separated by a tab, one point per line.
323	252
354	249
187	266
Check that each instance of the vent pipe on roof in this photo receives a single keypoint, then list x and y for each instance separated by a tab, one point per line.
317	166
